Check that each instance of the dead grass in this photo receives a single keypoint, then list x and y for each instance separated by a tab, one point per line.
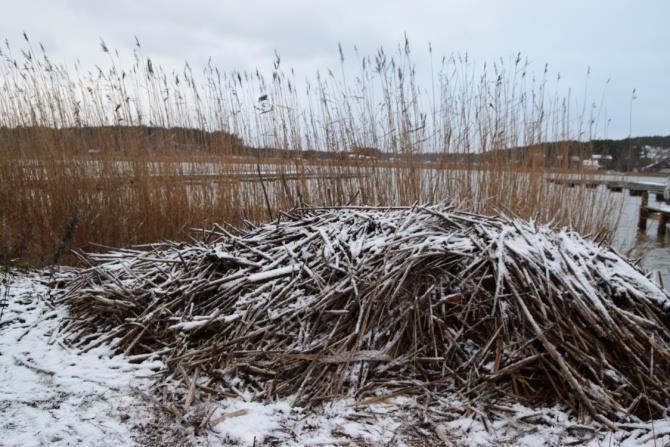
138	153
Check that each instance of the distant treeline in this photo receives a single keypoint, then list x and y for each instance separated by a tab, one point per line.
128	140
116	140
626	154
629	154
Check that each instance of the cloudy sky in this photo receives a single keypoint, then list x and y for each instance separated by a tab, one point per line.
625	41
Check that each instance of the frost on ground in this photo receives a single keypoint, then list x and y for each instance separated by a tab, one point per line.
52	394
401	421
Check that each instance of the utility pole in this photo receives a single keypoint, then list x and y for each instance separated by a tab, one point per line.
630	132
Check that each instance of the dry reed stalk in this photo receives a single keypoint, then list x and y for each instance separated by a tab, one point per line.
418	300
128	148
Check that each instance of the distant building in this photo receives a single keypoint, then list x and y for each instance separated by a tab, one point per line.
598	161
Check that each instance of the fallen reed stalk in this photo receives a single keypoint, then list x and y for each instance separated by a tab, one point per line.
359	301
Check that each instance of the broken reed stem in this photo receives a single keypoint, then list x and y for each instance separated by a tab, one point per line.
357	300
265	192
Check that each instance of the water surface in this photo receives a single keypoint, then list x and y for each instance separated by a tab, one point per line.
652	251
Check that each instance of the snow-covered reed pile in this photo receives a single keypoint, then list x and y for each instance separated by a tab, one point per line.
360	301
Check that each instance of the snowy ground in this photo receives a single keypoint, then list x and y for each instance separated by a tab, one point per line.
51	394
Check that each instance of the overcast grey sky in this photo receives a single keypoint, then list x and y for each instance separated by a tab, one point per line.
627	41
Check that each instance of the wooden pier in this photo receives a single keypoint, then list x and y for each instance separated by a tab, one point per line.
661	207
646	211
636	189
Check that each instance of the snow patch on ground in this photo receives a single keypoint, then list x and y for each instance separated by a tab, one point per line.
51	394
403	422
243	423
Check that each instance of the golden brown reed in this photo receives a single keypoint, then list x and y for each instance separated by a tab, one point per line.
134	153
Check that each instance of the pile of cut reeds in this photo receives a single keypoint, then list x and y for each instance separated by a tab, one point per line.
326	302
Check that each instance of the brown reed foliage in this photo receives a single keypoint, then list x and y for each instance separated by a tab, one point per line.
137	152
363	302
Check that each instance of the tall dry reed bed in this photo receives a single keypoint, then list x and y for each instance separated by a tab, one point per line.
113	148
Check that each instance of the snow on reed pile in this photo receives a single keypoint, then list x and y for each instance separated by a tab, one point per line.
360	301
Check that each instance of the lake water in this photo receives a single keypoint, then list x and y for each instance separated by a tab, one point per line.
653	253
